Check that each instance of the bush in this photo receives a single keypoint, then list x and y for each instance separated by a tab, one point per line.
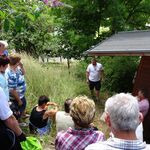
119	73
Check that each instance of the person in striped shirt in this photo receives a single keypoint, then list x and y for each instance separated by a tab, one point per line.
17	85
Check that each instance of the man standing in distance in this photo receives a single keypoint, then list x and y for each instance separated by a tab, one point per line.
94	75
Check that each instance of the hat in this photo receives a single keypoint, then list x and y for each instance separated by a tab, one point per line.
4	43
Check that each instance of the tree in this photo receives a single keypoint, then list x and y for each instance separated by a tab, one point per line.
28	27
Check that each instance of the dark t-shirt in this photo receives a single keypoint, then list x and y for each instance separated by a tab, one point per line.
36	118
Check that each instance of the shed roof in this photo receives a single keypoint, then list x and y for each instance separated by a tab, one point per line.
127	43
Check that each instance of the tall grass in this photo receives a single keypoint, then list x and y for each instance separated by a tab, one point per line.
52	80
55	81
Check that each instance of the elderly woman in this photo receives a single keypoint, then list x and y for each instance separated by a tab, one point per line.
82	111
17	85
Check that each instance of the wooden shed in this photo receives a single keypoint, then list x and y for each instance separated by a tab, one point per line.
130	43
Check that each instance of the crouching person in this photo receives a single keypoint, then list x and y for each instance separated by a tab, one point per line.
82	111
40	121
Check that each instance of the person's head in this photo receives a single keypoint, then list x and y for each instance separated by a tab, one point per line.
43	99
122	112
4	61
142	93
3	45
82	111
94	61
67	104
14	60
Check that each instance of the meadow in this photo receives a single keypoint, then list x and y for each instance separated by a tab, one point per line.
55	81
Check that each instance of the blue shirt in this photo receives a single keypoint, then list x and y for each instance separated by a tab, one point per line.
16	81
4	85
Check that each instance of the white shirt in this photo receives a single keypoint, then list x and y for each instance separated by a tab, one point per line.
94	71
5	111
63	121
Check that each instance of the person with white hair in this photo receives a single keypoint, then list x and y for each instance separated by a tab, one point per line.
82	111
122	117
3	48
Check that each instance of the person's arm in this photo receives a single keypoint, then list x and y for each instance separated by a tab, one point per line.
50	104
87	76
50	113
12	123
16	96
22	68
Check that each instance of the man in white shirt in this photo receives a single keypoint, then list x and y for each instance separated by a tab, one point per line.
94	75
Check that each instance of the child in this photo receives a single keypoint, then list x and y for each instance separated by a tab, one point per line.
39	118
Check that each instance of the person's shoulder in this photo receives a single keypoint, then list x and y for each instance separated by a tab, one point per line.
63	133
147	146
99	64
96	146
59	114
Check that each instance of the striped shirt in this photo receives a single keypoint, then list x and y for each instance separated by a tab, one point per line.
16	81
74	139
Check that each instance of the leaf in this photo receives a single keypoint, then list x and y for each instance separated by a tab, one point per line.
30	16
2	15
6	25
18	23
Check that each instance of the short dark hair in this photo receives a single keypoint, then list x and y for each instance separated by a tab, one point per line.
4	61
43	99
67	105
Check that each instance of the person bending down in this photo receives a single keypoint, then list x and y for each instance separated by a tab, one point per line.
39	121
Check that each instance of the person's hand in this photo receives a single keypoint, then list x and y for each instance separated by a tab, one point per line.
22	137
51	103
20	103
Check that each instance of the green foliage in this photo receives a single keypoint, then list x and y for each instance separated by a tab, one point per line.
119	73
35	28
30	25
52	80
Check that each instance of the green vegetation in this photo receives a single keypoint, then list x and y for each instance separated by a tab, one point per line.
55	81
33	27
52	80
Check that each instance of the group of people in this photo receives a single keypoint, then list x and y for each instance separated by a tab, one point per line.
124	113
75	129
11	83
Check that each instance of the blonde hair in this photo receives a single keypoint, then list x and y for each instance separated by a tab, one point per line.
82	111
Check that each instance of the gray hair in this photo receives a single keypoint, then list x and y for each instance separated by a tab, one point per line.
123	110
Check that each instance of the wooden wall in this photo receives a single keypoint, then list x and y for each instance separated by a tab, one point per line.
142	80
